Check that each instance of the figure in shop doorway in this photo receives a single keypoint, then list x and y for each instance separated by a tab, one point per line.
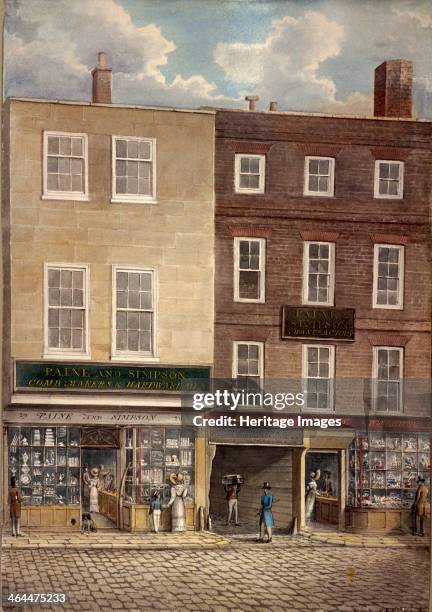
232	492
15	500
311	495
94	487
266	515
178	510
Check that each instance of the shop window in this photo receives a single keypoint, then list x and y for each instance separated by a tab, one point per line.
388	276
319	176
152	454
46	464
66	312
249	270
134	313
387	377
383	469
388	179
249	173
318	376
318	273
65	166
133	170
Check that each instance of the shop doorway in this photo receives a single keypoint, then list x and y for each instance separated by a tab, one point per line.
322	502
100	461
257	464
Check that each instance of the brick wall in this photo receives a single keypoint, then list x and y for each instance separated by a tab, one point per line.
354	219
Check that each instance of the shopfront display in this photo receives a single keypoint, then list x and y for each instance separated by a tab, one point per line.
383	471
46	464
153	454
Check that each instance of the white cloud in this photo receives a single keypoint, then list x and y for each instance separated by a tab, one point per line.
52	52
286	66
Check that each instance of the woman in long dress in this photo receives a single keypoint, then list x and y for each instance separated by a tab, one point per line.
94	486
178	510
311	495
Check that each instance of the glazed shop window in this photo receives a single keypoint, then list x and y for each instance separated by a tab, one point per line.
66	312
387	374
383	469
133	169
318	376
319	176
46	464
153	454
388	179
134	313
249	270
65	166
388	276
318	273
249	173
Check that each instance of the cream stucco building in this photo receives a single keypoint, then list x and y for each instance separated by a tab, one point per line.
108	256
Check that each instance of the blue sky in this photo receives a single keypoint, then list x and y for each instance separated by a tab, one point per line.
311	55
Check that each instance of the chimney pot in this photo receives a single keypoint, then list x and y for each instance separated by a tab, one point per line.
273	106
102	81
251	100
102	59
393	89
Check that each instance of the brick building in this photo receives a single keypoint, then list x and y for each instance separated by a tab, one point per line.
107	308
323	281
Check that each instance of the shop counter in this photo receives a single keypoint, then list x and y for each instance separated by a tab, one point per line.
326	509
136	517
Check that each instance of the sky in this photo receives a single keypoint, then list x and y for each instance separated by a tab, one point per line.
308	55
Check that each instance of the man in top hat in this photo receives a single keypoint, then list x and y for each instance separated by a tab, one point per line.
266	515
419	508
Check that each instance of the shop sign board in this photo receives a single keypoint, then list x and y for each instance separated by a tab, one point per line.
321	323
102	377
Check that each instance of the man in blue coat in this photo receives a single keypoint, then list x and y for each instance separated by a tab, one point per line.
266	516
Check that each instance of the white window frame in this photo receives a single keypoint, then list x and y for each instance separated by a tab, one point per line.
124	198
323	194
260	346
64	195
262	170
58	353
305	377
262	270
383	196
376	349
134	356
331	289
400	304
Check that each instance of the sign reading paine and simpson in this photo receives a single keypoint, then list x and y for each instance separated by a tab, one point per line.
320	323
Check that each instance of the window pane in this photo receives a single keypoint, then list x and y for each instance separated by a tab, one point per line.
384	171
134	299
65	183
53	145
383	187
121	299
132	149
121	342
145	342
313	166
65	318
66	297
146	281
393	187
146	300
76	166
145	321
65	338
121	148
244	164
132	340
254	166
144	150
121	319
254	181
394	171
242	351
324	166
132	185
53	182
77	319
65	145
54	297
249	285
52	164
78	298
77	183
53	278
121	185
66	279
132	169
133	320
134	281
323	185
77	339
244	181
53	338
313	183
53	317
122	280
77	146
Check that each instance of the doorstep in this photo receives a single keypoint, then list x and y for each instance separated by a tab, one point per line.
119	540
343	538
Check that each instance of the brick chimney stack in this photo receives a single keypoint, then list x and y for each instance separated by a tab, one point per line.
102	81
393	89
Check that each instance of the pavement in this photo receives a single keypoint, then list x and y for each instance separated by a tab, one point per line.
113	539
289	574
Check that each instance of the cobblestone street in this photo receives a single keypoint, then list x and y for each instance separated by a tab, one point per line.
289	574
